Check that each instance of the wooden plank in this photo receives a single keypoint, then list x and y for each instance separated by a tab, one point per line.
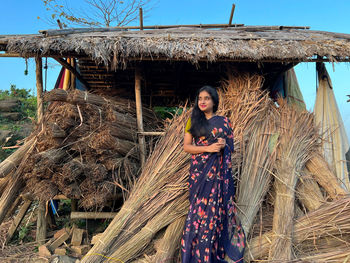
39	88
139	115
44	251
92	215
18	219
77	236
41	223
81	250
59	241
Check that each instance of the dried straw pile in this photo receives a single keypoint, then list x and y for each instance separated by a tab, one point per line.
158	199
86	148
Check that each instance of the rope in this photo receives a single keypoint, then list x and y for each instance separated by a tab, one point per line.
45	67
285	195
150	230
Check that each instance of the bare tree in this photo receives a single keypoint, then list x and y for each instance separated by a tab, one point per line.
96	12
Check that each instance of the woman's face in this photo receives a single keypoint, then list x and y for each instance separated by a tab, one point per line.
205	102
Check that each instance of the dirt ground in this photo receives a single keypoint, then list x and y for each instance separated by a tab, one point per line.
11	253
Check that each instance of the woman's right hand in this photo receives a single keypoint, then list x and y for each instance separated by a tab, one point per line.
215	147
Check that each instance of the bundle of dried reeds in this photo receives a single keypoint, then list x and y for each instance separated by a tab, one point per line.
297	143
309	193
81	97
320	170
331	220
330	254
254	124
161	184
132	248
15	159
84	150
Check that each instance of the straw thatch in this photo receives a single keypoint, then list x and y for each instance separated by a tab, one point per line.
190	44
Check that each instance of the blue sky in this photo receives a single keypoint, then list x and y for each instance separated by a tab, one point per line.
20	17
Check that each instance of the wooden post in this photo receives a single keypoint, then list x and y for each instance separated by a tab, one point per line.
18	219
39	88
41	223
141	19
231	16
139	115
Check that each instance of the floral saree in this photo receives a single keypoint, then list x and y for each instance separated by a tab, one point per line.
212	229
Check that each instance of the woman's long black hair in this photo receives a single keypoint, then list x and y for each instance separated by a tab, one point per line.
199	123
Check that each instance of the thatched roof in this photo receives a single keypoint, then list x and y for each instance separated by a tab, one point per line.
188	44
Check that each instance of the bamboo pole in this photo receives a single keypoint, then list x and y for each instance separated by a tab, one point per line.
57	32
231	16
92	215
141	19
39	88
139	115
151	133
41	223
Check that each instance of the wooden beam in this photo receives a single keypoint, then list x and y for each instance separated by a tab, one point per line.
231	16
10	55
58	32
151	133
41	223
139	116
39	88
92	215
66	65
141	19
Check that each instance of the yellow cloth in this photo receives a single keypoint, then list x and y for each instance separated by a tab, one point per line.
188	126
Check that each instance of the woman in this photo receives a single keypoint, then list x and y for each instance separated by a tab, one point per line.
211	230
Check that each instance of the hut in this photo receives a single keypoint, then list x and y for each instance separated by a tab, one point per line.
164	66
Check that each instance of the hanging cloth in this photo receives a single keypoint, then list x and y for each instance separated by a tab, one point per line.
292	90
287	87
328	118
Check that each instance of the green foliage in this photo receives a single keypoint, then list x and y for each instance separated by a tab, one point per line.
27	110
27	106
24	231
167	112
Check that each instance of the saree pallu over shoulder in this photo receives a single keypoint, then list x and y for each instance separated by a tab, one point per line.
212	228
